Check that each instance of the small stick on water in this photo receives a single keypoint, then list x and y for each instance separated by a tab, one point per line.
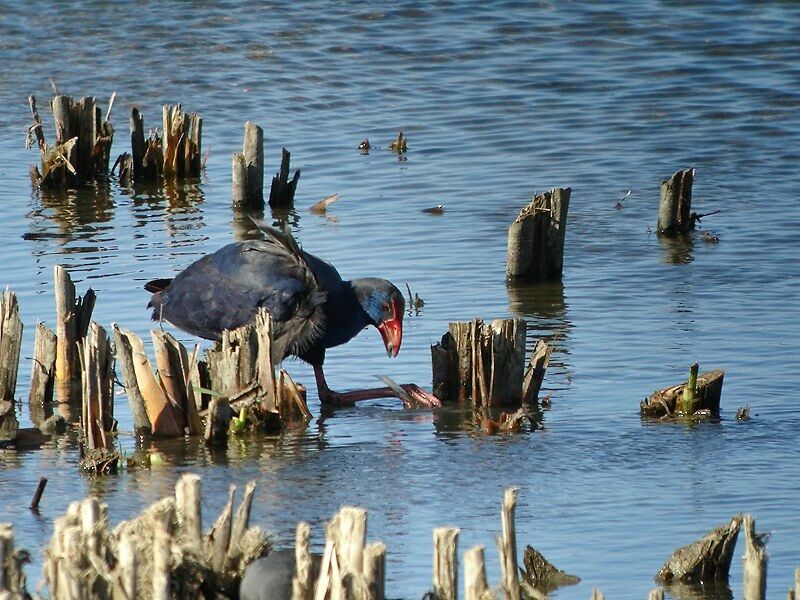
323	204
38	495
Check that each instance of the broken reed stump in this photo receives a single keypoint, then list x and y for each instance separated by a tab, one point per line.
679	400
10	347
175	154
536	238
445	563
754	562
248	169
82	144
475	585
281	192
162	553
167	400
73	315
43	372
486	364
12	561
541	575
182	142
507	546
707	559
675	205
97	408
241	369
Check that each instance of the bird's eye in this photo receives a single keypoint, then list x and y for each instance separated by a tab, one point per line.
385	307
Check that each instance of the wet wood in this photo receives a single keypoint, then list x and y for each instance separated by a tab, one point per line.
666	403
534	374
281	192
675	205
543	576
97	406
218	421
10	344
754	562
707	559
536	238
248	169
475	585
37	496
175	368
43	371
144	388
125	360
73	316
507	546
482	363
445	563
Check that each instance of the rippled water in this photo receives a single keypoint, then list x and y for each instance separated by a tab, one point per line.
497	101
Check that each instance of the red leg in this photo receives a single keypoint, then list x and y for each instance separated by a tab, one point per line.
414	395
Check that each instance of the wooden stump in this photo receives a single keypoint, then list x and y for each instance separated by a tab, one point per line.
507	546
82	142
540	574
97	407
10	345
755	562
707	559
670	401
486	364
675	206
445	563
73	316
536	237
248	169
125	358
43	372
281	192
12	561
475	584
181	142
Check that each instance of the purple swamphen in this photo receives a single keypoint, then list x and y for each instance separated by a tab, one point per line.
312	308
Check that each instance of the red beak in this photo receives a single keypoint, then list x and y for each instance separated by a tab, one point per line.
392	331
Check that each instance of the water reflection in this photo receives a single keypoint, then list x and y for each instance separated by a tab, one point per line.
677	250
544	308
713	590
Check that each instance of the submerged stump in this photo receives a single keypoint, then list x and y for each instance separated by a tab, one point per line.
536	237
707	559
281	192
675	205
700	395
248	169
540	574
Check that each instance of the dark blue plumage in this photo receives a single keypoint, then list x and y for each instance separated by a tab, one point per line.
312	308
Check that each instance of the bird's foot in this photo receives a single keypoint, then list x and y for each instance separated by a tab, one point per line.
411	394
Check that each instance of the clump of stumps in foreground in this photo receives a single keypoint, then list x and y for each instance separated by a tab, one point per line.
698	398
164	554
161	554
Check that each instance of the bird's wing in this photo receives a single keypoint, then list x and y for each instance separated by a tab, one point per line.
224	290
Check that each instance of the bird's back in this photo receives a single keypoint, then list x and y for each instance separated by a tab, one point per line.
224	290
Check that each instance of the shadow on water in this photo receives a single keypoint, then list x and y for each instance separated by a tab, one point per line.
677	250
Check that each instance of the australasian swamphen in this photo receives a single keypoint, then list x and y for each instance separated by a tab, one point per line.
312	308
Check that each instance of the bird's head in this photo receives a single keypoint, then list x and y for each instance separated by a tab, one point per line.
384	304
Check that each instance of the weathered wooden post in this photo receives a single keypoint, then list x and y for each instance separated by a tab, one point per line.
248	169
486	363
303	581
73	316
10	345
755	562
675	205
507	546
44	364
182	142
12	576
475	584
282	190
445	563
536	237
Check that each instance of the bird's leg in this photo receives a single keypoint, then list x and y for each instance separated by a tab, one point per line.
416	396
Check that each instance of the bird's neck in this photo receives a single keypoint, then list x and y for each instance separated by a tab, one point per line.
344	315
